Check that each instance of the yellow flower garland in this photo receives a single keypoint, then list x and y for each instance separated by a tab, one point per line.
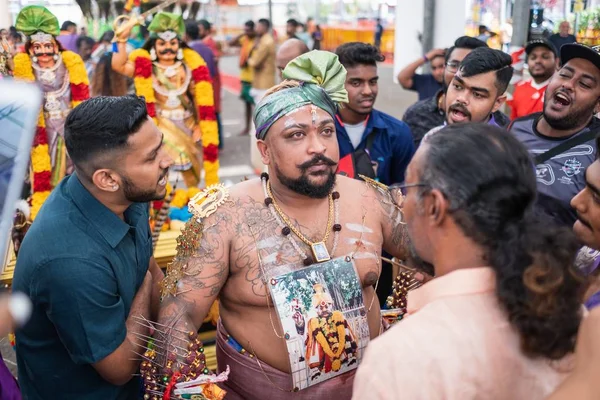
203	97
40	154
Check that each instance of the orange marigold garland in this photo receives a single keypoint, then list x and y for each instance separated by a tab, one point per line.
203	99
40	152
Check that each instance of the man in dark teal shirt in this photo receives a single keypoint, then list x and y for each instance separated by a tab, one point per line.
86	263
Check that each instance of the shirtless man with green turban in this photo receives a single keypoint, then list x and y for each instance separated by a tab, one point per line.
299	245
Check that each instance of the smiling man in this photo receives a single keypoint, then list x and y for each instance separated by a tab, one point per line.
528	96
360	127
86	262
570	102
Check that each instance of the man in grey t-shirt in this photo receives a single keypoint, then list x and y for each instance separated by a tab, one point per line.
571	98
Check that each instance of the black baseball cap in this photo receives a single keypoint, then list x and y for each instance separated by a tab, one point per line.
576	50
540	42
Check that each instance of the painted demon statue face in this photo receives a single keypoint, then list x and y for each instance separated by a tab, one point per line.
167	47
43	50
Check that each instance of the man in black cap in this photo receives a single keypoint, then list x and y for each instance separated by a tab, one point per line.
571	100
528	97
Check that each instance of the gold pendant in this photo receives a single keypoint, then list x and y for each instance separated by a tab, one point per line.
320	252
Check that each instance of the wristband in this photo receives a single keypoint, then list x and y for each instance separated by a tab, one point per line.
425	59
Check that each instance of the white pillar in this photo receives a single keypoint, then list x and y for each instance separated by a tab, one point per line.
5	18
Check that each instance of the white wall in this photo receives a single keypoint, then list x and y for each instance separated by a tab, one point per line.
450	22
409	25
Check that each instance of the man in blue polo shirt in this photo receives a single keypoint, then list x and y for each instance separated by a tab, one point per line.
86	263
359	126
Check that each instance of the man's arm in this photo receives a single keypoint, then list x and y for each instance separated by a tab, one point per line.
205	273
90	316
119	60
259	55
405	77
236	41
120	365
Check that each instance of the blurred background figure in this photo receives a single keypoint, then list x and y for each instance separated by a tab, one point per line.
378	33
317	36
105	81
563	36
427	85
291	29
85	45
245	41
68	36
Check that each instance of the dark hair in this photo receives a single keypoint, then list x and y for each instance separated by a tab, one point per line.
484	59
357	53
482	28
488	178
293	22
3	30
205	24
86	40
249	24
107	36
101	126
265	22
105	81
67	24
465	42
192	30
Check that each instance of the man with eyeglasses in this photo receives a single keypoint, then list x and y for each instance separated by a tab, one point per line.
427	85
571	100
427	114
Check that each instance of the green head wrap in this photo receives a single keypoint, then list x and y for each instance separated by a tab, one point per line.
33	19
166	21
322	79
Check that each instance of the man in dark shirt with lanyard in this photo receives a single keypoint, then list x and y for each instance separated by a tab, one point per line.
570	103
86	263
359	126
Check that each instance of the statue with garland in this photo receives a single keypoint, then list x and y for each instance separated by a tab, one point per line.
63	79
176	84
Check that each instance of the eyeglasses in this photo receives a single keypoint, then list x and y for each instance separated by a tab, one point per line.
398	191
452	66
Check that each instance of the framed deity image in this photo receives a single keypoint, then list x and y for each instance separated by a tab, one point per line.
324	320
19	108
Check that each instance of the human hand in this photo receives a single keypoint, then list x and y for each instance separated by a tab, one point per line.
434	53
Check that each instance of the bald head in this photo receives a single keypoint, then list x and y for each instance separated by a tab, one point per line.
289	50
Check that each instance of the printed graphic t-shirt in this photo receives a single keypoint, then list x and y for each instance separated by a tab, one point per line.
563	176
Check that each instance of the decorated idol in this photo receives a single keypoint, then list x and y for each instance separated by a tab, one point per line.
62	77
176	83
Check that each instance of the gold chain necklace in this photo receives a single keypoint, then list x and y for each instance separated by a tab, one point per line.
319	249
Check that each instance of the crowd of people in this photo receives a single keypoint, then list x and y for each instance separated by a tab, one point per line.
499	218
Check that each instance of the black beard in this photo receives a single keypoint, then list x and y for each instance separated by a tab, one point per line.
303	186
135	195
571	120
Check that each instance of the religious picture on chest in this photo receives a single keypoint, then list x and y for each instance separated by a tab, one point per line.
323	318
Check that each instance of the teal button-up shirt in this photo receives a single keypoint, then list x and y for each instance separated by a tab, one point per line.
81	265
